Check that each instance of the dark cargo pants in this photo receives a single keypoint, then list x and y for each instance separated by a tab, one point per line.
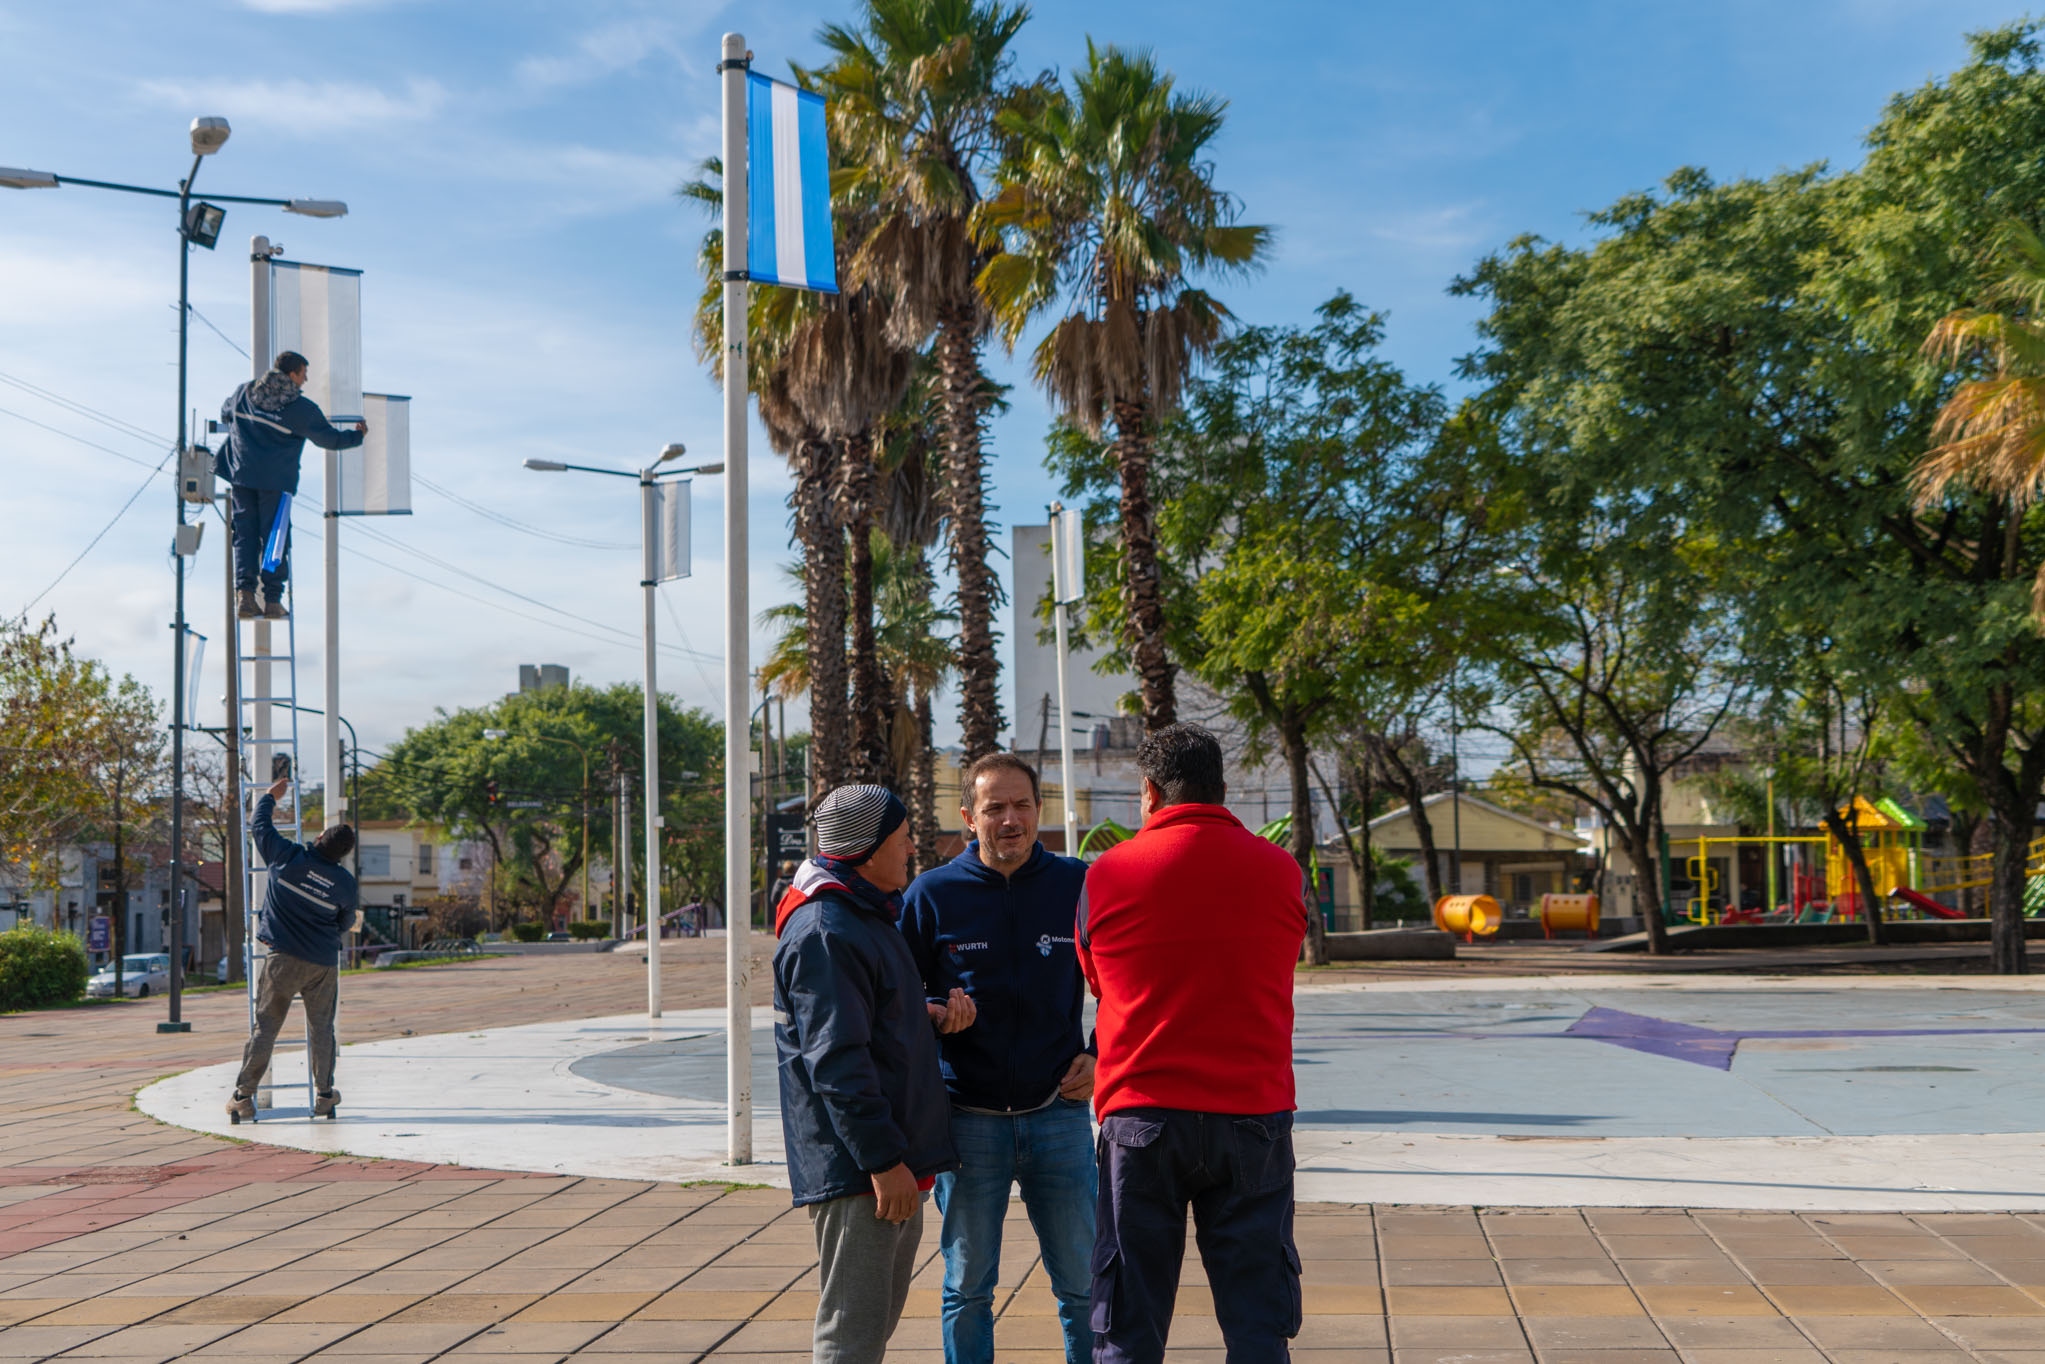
1235	1173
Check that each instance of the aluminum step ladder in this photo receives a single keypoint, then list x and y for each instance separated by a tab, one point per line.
268	685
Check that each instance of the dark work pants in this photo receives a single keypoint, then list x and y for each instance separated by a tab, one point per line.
254	510
1235	1173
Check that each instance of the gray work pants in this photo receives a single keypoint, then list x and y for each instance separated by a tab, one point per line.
286	978
867	1265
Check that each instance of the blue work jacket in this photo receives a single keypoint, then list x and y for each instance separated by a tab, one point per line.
860	1090
1008	942
310	901
262	447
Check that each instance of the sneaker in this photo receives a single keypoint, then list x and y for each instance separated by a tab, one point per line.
241	1106
246	606
275	610
324	1104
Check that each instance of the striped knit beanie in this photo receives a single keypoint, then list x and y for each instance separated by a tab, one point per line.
853	821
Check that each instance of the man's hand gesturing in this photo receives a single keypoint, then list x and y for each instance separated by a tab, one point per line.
956	1014
279	787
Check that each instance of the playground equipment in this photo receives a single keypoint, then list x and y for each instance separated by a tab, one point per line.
1569	914
1473	916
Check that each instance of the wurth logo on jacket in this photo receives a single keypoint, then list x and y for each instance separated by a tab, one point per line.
1008	941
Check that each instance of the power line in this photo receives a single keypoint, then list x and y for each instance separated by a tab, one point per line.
216	331
101	536
683	631
86	410
59	431
513	523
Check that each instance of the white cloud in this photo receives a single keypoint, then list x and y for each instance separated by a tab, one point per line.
603	52
304	105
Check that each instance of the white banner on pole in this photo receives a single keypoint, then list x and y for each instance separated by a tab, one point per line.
195	660
316	310
1068	555
671	529
376	476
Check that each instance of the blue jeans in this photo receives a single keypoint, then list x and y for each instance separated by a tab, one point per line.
1050	1153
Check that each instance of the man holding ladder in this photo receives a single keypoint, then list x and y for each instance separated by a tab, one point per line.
309	904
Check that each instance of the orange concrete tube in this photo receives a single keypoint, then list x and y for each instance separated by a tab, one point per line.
1473	916
1569	914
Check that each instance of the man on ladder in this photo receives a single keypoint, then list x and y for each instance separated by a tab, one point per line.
268	423
310	902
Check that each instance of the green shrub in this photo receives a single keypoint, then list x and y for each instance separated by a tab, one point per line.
529	932
39	967
583	930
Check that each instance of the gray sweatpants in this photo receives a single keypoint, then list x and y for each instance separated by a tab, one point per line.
867	1265
286	978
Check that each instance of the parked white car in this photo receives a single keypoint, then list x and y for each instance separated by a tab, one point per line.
142	974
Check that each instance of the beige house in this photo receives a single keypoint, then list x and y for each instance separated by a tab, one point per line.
401	867
1513	859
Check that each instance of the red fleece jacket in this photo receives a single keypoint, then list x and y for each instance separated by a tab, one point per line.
1189	933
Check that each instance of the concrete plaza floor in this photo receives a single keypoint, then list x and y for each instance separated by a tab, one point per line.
122	1238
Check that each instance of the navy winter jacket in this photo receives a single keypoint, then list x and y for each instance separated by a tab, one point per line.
860	1091
310	902
1008	942
262	448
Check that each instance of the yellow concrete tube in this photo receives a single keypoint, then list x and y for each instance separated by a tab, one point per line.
1473	916
1569	914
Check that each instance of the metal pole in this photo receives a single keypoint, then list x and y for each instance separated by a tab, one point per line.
261	749
176	1021
231	887
587	912
648	587
738	853
1060	590
337	811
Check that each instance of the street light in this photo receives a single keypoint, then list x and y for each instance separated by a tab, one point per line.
648	582
196	223
494	734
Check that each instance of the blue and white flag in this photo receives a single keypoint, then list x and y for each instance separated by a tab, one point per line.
278	542
376	476
788	188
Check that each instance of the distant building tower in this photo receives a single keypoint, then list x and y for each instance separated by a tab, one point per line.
540	676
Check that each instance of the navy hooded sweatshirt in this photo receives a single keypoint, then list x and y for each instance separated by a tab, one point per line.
310	902
1008	942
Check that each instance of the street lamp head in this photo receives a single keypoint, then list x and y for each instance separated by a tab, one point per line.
496	733
209	135
674	451
708	469
14	178
547	466
317	208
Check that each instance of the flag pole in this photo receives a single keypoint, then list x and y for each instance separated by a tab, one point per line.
738	824
1061	531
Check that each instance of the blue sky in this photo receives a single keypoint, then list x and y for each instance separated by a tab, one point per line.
528	275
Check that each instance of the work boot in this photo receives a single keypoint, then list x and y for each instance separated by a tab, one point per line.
246	606
241	1106
327	1101
275	609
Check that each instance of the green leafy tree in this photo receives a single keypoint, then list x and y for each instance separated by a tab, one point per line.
444	773
1107	215
49	701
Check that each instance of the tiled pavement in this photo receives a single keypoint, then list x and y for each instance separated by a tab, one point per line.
124	1240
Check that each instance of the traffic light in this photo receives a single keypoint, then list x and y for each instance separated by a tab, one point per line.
490	790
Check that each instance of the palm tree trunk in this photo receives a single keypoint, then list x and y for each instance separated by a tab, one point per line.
1142	592
923	785
958	360
871	699
823	553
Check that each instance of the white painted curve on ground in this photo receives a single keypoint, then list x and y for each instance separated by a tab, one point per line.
505	1098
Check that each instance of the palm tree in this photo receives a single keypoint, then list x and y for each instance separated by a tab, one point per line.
1993	428
1108	209
916	86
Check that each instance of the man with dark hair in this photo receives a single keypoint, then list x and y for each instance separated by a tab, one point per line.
310	903
863	1112
1189	933
997	922
268	423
